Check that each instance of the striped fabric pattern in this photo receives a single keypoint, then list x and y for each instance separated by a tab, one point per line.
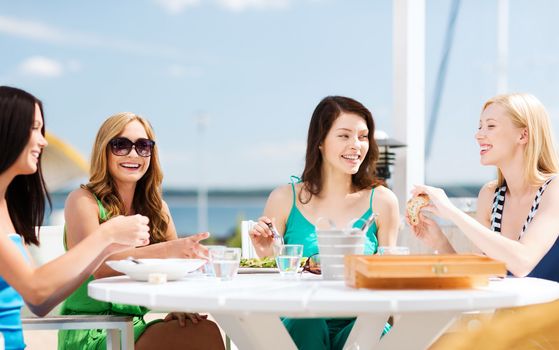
499	203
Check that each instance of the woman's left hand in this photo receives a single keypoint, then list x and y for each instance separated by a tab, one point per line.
440	205
181	317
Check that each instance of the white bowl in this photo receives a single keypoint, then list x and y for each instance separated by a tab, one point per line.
337	232
344	249
173	268
333	272
331	259
341	240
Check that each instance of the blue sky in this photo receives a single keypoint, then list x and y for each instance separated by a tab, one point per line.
255	70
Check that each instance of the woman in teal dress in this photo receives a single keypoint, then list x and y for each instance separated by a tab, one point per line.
338	183
125	178
23	198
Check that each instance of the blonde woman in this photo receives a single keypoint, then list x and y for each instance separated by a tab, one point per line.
516	214
126	179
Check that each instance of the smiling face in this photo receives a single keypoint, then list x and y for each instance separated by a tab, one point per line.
28	160
346	144
499	139
131	167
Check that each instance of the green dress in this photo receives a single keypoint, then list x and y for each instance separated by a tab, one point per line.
79	303
320	333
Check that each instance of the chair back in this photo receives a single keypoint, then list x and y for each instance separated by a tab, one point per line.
51	239
247	249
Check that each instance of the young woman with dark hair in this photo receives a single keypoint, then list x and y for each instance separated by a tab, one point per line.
338	183
23	198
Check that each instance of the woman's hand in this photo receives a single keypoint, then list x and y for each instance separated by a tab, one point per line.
181	317
127	231
428	232
188	247
440	205
262	237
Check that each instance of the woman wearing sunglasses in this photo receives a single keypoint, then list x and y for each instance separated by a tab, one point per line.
125	178
22	205
338	183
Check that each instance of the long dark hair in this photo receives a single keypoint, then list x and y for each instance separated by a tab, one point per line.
26	195
323	117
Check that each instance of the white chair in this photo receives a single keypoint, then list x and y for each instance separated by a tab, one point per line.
247	249
120	333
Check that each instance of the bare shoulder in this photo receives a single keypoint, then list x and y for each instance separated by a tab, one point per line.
279	203
551	194
165	206
385	196
488	190
486	194
281	195
484	203
80	197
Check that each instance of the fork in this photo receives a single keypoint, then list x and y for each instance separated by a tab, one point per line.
135	261
275	233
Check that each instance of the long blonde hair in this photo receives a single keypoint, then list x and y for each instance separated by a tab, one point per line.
540	154
148	199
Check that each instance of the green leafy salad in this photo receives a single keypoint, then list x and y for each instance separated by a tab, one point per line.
267	262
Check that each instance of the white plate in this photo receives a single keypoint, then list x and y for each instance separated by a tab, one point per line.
250	270
173	268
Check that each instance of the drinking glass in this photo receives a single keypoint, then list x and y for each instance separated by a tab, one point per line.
208	268
225	262
397	250
289	258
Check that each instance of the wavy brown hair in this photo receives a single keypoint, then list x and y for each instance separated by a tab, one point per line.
323	117
148	199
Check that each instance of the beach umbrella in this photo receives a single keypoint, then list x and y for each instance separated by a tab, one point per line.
62	165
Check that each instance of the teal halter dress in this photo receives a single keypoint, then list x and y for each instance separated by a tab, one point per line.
320	333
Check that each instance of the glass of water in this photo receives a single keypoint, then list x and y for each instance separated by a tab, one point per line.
288	259
397	250
208	268
225	262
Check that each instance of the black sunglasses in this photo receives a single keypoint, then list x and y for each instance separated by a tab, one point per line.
121	146
312	265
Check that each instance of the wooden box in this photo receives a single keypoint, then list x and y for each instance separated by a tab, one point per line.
455	271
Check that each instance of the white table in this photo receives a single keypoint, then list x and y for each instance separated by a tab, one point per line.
248	308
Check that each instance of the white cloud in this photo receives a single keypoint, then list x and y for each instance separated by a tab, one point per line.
243	5
30	29
40	66
50	34
177	6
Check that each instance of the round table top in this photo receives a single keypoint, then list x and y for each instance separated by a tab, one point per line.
311	296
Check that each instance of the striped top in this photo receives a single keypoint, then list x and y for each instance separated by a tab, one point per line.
499	203
547	267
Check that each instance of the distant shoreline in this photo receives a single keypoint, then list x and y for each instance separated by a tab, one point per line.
457	190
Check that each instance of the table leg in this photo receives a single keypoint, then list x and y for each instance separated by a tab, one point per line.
366	332
416	331
255	331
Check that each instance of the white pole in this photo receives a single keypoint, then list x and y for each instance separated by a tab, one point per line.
409	95
202	123
502	45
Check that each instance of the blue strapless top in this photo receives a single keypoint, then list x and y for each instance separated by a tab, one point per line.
10	308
